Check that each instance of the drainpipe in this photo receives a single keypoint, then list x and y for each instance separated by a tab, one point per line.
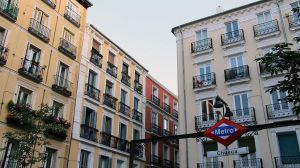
281	21
184	98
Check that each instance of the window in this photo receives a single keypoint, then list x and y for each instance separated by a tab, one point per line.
57	109
137	76
120	163
96	45
89	117
32	59
201	35
166	152
125	68
231	27
136	102
264	17
9	150
24	96
92	78
207	110
111	58
105	162
107	123
210	146
50	158
122	131
175	129
176	156
73	7
84	157
166	124
123	96
154	117
288	145
250	143
41	17
241	104
2	36
63	72
154	91
136	134
205	70
236	61
166	99
154	148
175	106
278	100
68	35
108	87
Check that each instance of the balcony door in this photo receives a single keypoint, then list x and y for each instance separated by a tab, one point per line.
137	77
264	19
154	92
207	110
166	152
32	59
24	96
3	33
107	123
201	35
63	71
105	162
154	118
237	66
92	78
241	105
89	117
205	72
109	88
136	104
8	162
125	69
248	159
232	29
123	96
41	17
68	36
122	131
289	148
278	101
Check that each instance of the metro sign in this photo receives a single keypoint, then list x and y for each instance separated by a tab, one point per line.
225	131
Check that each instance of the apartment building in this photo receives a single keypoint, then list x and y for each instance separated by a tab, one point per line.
161	120
216	58
39	58
110	105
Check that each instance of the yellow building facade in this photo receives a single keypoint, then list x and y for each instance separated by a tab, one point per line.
40	56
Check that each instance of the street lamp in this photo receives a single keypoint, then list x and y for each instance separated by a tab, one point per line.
220	103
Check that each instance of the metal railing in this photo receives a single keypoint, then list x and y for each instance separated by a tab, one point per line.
279	110
138	87
175	113
156	160
166	132
88	132
168	164
265	28
114	142
51	3
237	73
204	80
32	70
203	122
232	37
138	116
62	85
287	162
156	129
243	115
124	109
10	163
109	101
251	163
111	69
218	164
125	78
39	30
67	47
72	16
201	45
3	55
294	20
9	10
166	107
92	91
156	100
96	58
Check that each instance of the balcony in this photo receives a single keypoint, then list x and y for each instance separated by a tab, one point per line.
267	28
155	100
72	16
166	133
125	79
137	116
139	150
114	142
168	164
109	101
202	45
92	92
9	10
50	3
262	69
40	31
31	70
62	86
124	109
237	73
156	160
156	129
3	55
96	58
166	107
88	132
138	87
111	69
245	163
232	37
246	115
210	165
279	110
11	163
202	122
175	113
287	162
67	48
204	81
294	21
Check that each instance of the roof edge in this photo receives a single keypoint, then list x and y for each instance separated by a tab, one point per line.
161	85
85	3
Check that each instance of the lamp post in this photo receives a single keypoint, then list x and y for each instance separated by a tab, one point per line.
220	103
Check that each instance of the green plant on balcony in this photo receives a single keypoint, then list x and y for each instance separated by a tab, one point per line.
56	127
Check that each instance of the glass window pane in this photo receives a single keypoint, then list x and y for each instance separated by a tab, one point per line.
238	106
288	145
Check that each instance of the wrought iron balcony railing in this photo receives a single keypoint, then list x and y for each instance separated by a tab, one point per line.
175	113
156	160
11	163
168	164
51	3
138	87
201	45
166	107
109	101
166	132
31	70
139	151
67	48
279	110
203	122
124	109
204	80
125	79
242	163
92	92
40	31
111	69
287	162
3	55
237	73
156	129
232	37
266	28
156	100
72	16
96	58
138	116
218	164
88	132
243	115
62	85
294	20
9	10
114	142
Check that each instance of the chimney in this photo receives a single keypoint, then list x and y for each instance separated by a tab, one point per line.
219	9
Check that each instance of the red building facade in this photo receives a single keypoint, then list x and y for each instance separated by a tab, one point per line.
161	120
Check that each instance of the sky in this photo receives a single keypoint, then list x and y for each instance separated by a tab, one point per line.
143	29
